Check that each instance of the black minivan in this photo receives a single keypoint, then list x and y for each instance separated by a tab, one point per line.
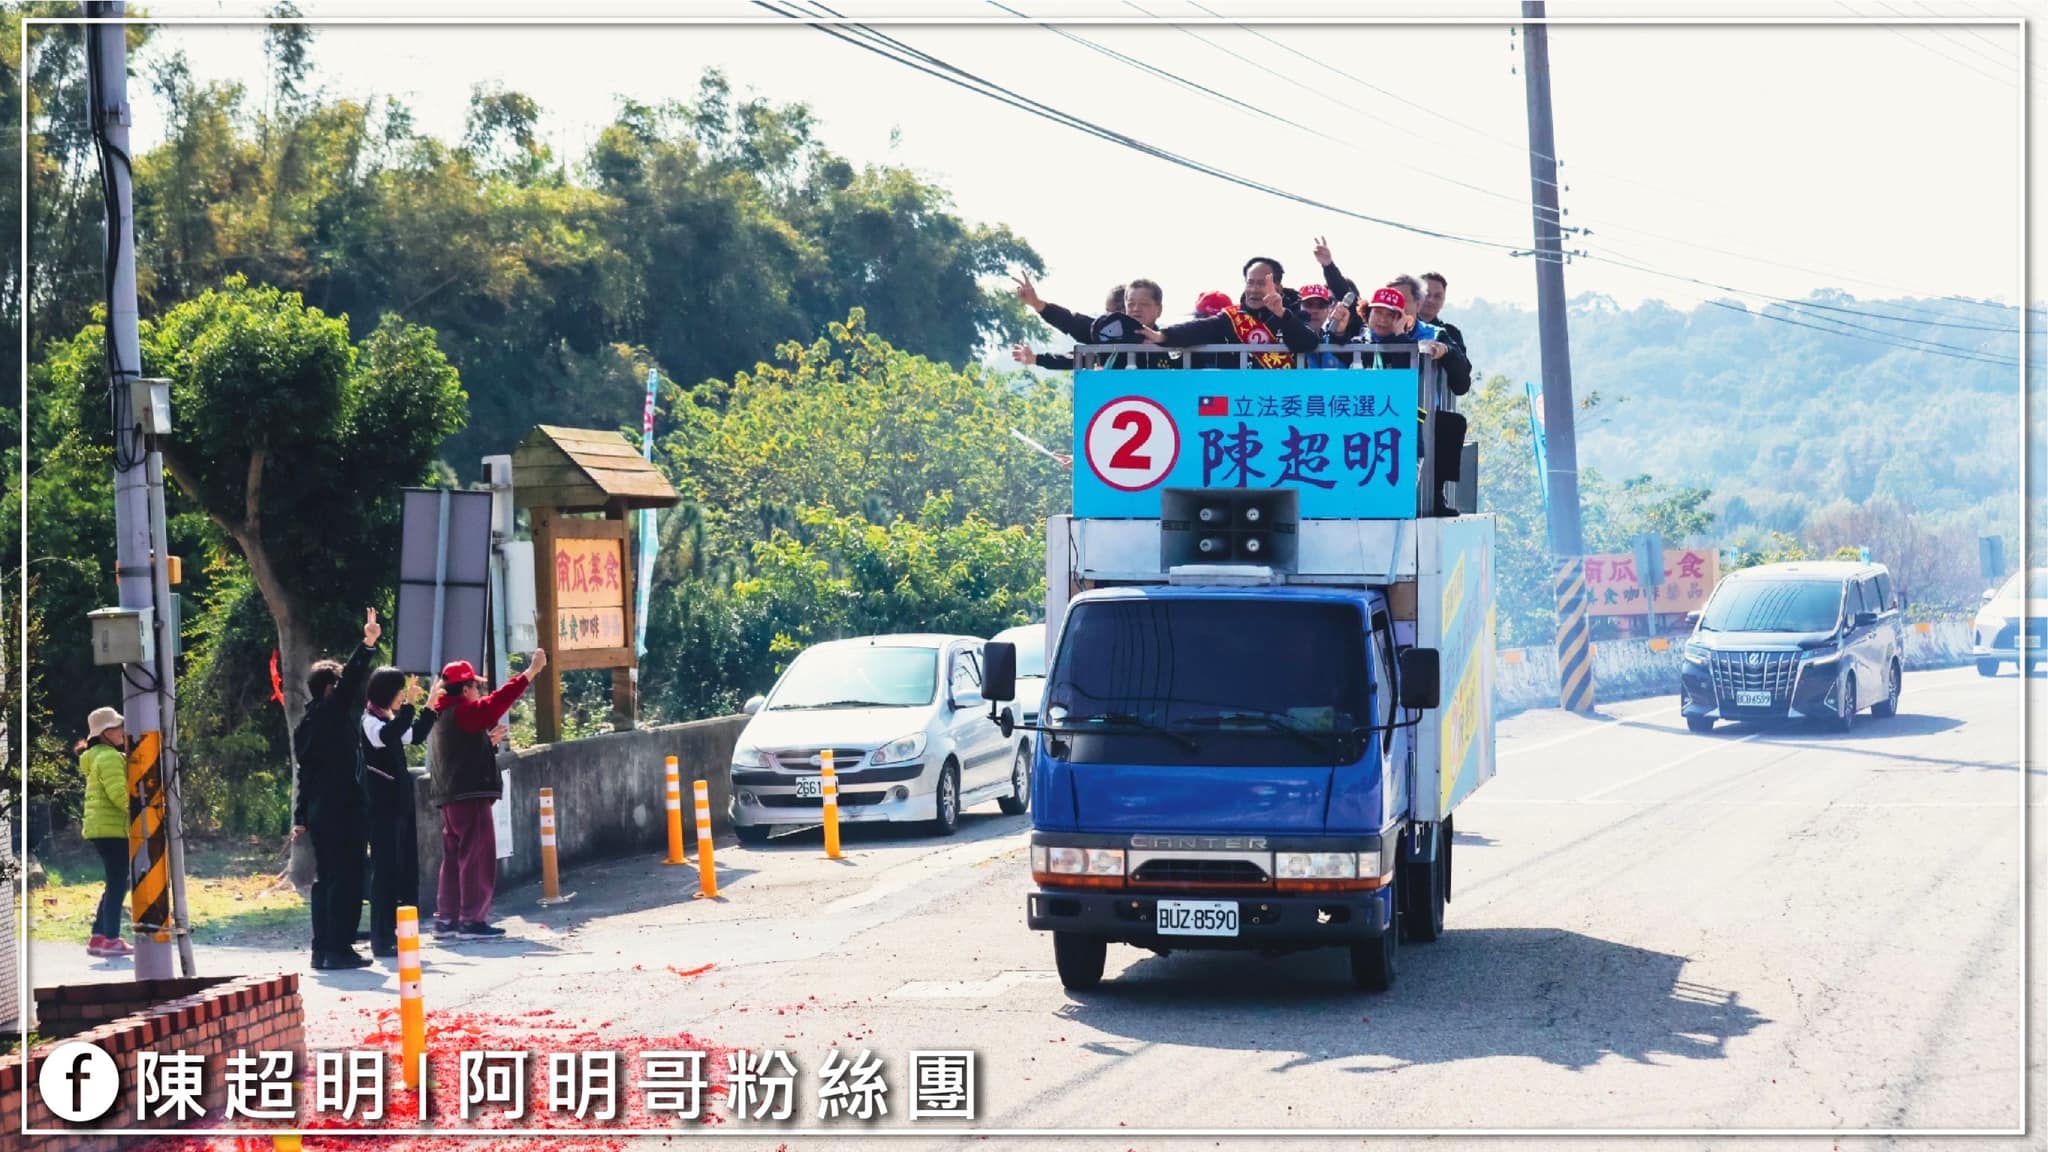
1817	640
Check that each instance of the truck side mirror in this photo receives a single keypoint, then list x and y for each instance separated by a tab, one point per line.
753	704
1421	686
999	671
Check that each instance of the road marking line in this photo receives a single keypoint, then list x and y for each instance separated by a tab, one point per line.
1685	759
1566	739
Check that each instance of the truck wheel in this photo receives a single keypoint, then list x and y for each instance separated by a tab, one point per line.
1374	962
1421	887
1889	706
752	833
1018	801
1987	668
1079	959
1699	723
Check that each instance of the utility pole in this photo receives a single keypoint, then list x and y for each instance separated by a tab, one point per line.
1561	481
155	839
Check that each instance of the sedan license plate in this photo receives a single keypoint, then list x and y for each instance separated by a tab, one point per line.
810	787
1196	918
1752	699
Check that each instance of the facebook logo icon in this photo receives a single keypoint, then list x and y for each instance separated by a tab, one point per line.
79	1082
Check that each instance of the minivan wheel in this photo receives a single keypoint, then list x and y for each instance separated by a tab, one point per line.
1699	723
1018	801
948	821
1846	720
1889	706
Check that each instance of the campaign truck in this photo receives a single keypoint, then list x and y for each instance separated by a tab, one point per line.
1271	619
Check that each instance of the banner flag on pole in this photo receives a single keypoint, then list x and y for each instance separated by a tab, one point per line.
647	526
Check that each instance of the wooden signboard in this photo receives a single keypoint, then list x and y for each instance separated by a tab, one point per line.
583	575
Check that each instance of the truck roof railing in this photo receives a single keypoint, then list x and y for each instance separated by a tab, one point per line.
1223	355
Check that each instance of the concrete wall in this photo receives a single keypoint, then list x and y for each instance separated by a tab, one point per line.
1633	670
10	960
609	796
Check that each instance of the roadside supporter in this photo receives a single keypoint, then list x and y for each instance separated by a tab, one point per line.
103	758
465	785
391	725
1267	321
330	755
1430	311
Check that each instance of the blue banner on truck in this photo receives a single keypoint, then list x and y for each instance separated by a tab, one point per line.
1343	438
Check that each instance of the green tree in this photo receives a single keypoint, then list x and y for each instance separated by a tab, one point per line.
293	442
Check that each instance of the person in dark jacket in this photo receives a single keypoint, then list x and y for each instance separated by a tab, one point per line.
390	726
1387	324
1073	325
1430	311
465	785
1267	321
330	805
1140	301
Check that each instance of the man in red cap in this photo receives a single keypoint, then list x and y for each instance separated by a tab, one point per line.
465	785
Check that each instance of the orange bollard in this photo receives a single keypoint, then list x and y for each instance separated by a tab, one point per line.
412	1011
675	815
550	875
707	877
830	790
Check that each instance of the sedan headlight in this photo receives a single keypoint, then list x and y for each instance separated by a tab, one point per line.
1317	865
1080	861
747	756
899	750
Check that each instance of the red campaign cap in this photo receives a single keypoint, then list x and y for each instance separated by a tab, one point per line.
457	674
1315	292
1211	303
1390	298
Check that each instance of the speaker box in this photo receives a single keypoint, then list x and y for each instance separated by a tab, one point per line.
1229	526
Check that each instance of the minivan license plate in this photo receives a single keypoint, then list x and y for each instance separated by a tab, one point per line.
1196	918
810	787
1752	699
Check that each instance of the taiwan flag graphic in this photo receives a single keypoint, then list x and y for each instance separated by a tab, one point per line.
1212	406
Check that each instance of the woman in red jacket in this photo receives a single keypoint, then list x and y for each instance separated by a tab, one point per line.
465	785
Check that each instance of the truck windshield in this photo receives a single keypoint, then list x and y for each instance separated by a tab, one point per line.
1216	682
1774	606
858	676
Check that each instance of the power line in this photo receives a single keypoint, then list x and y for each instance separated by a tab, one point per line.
1901	34
934	66
931	65
1383	155
1879	335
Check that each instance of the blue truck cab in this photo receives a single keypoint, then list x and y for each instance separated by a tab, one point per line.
1264	699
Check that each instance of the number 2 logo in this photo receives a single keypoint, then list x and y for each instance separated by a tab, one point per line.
1132	443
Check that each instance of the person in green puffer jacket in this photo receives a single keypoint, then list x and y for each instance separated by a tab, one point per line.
104	760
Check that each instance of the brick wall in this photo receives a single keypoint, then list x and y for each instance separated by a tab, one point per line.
210	1017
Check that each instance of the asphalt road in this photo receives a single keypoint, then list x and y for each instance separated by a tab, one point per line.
1759	929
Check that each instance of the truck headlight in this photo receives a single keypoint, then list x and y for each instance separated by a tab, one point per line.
899	750
747	756
1082	861
1316	865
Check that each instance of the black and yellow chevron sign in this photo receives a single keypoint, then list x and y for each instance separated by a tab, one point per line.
1574	638
149	849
